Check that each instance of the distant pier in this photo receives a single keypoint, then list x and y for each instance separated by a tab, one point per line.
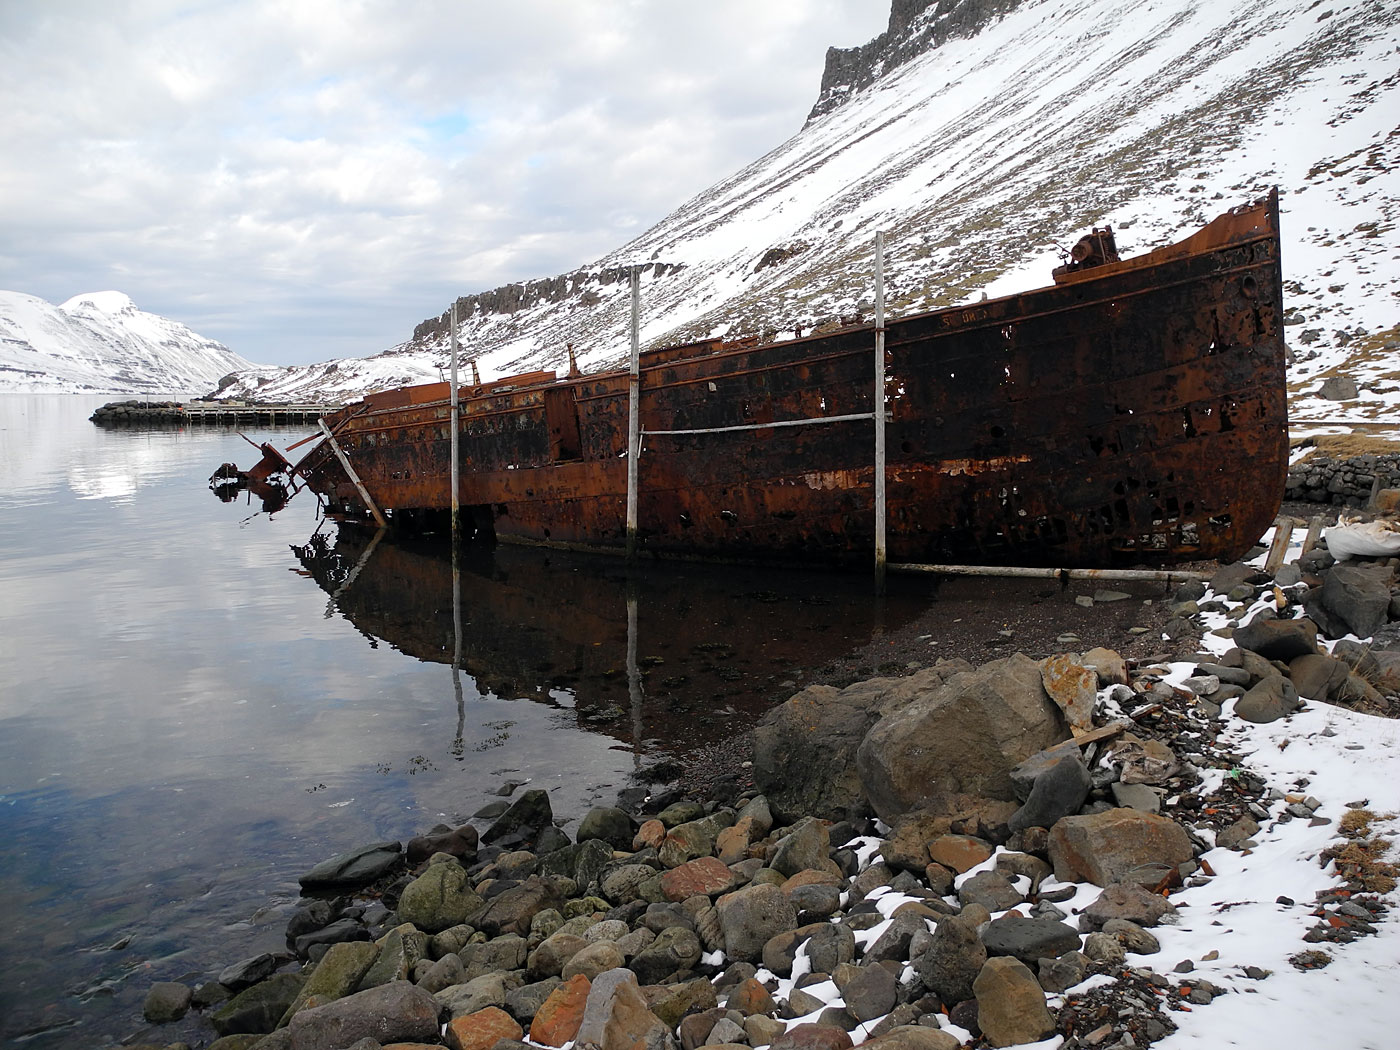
228	413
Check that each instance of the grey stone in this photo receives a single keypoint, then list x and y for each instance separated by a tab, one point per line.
248	971
991	889
750	916
522	822
675	948
458	1000
259	1008
507	952
166	1001
1277	639
443	973
815	902
806	846
1125	901
1136	796
399	950
1132	937
961	739
869	991
593	959
1354	598
608	823
1057	790
337	975
804	750
438	899
1056	975
828	946
554	951
1029	939
1268	700
952	961
1238	832
356	868
1338	388
391	1013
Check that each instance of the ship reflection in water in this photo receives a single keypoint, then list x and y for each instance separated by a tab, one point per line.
674	658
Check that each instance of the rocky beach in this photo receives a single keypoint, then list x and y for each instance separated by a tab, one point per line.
1022	837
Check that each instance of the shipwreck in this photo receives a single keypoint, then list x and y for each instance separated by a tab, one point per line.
1131	413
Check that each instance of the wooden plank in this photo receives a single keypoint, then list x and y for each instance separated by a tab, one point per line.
1314	534
1107	732
1283	533
355	478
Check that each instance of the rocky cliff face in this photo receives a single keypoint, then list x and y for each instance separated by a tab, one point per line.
915	27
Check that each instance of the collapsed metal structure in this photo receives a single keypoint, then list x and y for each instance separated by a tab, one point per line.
1132	413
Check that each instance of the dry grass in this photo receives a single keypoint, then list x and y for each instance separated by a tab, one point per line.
1361	859
1356	823
1345	446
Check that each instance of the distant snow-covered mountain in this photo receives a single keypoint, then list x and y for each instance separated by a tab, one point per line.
101	343
979	134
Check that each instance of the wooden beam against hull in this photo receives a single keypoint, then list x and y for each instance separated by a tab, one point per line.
355	478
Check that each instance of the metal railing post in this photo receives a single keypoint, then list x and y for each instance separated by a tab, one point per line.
454	469
879	412
634	421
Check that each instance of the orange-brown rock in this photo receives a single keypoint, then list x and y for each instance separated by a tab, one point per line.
705	876
750	997
732	844
481	1030
1073	687
651	834
557	1021
959	853
810	877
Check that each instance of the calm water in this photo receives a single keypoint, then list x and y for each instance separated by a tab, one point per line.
193	712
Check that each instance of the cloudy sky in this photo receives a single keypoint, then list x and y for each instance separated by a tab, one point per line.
305	179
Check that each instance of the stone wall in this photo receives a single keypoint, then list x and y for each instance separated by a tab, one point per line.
1345	482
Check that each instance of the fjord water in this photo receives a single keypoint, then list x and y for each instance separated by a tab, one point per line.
192	713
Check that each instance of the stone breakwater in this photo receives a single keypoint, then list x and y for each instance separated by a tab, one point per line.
1346	482
963	856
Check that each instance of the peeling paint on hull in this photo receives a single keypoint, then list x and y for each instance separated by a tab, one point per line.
1133	413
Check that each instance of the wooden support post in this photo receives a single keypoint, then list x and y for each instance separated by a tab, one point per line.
1314	534
354	478
1283	532
454	468
879	412
634	420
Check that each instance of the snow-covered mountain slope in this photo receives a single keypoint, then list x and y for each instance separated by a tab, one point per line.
100	342
978	155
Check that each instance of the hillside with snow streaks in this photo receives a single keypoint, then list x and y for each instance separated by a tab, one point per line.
981	155
101	343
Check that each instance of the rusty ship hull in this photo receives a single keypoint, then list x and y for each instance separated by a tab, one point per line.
1132	413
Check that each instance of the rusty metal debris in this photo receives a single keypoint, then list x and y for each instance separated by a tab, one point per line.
270	479
1132	413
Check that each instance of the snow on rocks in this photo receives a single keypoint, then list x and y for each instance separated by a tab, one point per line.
1187	855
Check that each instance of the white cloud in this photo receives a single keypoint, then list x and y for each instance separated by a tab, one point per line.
309	180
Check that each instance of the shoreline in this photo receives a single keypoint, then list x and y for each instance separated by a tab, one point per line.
1178	709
